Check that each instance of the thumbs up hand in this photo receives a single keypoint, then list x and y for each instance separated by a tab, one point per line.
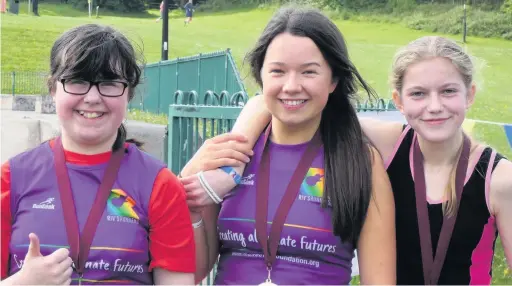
34	249
53	269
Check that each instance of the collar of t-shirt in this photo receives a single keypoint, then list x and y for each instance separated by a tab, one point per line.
83	159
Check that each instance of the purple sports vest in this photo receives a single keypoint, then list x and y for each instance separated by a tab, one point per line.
120	249
308	252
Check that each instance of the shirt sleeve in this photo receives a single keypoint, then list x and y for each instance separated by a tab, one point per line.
171	236
6	220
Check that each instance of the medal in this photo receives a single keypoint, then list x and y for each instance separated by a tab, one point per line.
268	282
80	245
269	244
432	265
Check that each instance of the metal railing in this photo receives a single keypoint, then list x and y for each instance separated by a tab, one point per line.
192	121
24	83
215	71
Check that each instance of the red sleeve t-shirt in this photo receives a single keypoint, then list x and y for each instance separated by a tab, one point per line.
171	237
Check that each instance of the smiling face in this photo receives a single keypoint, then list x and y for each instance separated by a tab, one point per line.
296	80
91	115
434	98
90	119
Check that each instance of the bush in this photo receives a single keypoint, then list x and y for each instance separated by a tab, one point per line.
484	20
449	22
507	7
483	24
438	18
479	23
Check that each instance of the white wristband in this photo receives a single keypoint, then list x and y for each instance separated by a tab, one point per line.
209	190
198	224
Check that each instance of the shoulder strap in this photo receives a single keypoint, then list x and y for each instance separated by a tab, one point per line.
397	145
474	163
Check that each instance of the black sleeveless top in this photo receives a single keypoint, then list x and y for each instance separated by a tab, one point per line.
471	249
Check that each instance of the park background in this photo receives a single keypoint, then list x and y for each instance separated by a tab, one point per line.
373	29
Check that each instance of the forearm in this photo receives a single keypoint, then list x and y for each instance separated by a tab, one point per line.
206	242
377	242
231	150
201	250
253	119
212	235
251	122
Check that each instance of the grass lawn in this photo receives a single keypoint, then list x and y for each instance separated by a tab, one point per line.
26	42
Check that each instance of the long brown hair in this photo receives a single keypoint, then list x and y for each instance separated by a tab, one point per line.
347	155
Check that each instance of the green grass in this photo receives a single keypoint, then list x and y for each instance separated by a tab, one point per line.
26	42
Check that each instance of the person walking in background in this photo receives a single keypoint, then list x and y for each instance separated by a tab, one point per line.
3	6
161	11
189	9
35	7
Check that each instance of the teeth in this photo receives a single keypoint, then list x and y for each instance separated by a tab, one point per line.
90	114
293	102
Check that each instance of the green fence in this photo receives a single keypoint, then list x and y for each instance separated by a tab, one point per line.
24	82
213	71
194	118
380	105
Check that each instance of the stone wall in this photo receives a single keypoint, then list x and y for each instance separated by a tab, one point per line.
23	130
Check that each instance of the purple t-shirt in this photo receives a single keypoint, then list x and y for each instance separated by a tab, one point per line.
308	251
120	249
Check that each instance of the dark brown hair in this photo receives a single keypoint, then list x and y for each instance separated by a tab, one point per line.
92	52
347	155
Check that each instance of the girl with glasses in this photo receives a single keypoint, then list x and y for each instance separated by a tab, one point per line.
89	206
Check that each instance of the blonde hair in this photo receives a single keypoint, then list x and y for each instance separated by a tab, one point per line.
427	48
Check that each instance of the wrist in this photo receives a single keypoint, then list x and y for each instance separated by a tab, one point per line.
197	220
195	216
186	171
197	224
232	173
13	279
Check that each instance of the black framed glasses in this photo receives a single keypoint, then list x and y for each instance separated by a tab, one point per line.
108	88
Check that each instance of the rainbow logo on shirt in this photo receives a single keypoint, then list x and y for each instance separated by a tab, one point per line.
120	204
313	184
